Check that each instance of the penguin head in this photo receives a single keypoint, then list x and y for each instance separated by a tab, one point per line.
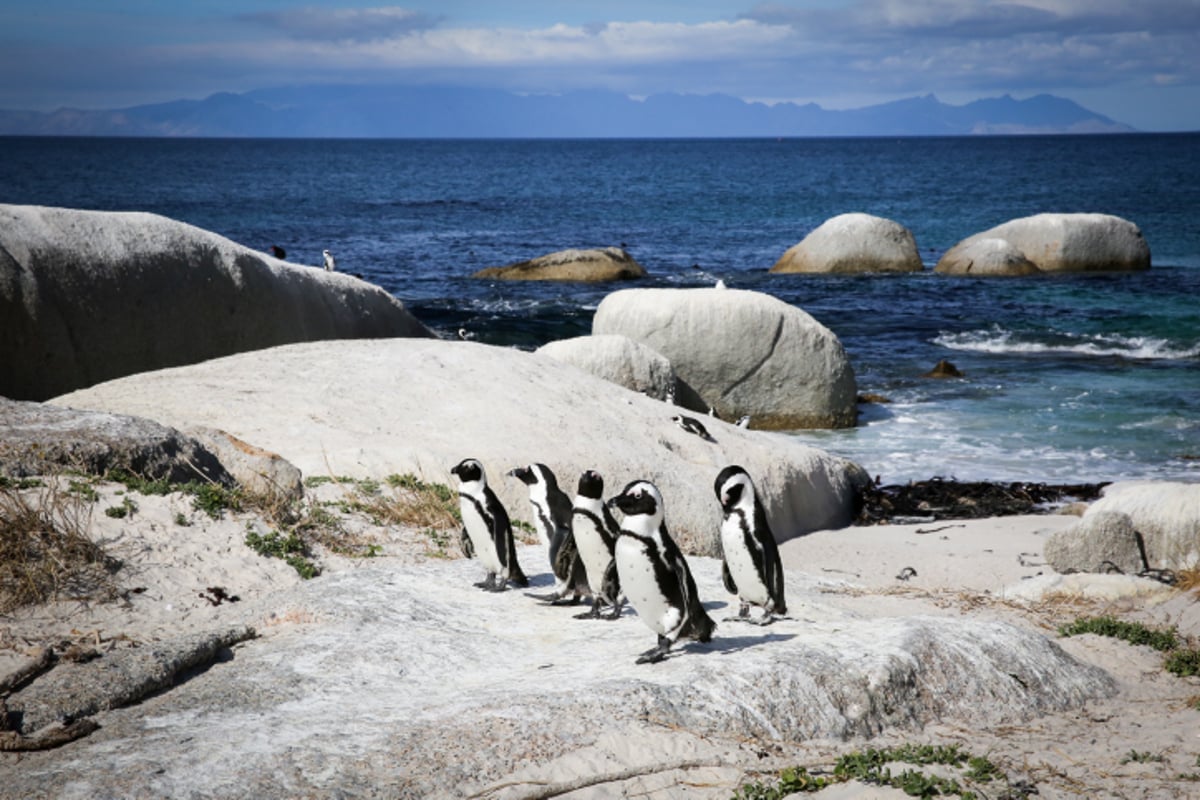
591	485
733	486
469	471
533	474
638	498
524	474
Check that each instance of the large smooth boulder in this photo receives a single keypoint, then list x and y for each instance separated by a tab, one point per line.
743	352
87	295
435	689
626	363
1166	514
371	408
589	266
986	257
853	243
1066	243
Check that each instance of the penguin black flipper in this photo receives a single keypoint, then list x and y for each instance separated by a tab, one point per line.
727	578
697	624
772	565
568	566
468	549
502	537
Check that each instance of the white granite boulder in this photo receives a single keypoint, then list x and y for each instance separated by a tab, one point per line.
1068	243
588	266
1166	514
1102	541
853	243
743	352
986	257
87	295
435	689
371	408
618	359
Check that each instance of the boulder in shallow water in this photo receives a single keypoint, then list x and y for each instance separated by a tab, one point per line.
743	352
589	266
89	295
986	257
1069	242
852	243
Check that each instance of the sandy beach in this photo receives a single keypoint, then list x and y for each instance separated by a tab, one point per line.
1142	741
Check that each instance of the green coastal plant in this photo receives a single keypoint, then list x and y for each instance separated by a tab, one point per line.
1180	657
290	547
871	766
1132	632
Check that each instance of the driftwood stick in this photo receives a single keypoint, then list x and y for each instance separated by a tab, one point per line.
49	737
15	680
545	790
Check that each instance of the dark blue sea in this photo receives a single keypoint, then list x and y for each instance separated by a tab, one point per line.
1068	378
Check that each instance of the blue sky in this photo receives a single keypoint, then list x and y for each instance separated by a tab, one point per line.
1137	62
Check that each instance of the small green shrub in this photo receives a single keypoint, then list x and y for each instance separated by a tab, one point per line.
1183	662
1132	632
870	766
1143	757
291	548
126	509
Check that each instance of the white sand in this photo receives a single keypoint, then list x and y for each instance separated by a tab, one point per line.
961	568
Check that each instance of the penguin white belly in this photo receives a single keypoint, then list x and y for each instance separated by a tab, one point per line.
481	538
592	550
750	585
636	572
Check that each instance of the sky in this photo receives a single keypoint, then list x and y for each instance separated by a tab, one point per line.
1136	61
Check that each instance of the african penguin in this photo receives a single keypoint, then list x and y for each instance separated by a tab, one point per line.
330	264
551	508
654	574
487	533
692	425
596	534
751	568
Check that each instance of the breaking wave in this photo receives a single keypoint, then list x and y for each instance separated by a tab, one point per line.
1000	341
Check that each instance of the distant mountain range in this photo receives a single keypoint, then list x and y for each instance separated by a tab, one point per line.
408	112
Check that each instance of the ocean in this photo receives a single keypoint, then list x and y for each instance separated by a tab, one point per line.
1074	378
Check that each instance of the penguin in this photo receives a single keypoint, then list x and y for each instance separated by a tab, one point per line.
278	252
596	534
330	264
692	425
551	508
743	421
654	574
750	568
487	532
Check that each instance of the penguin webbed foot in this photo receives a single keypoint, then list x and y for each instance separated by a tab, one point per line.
657	654
743	614
571	599
593	613
488	584
615	613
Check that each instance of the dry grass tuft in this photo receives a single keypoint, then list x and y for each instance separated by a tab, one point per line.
45	551
1188	580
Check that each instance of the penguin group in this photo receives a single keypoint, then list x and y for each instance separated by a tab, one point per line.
634	560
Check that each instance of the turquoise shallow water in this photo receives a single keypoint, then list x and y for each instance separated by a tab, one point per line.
1068	378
